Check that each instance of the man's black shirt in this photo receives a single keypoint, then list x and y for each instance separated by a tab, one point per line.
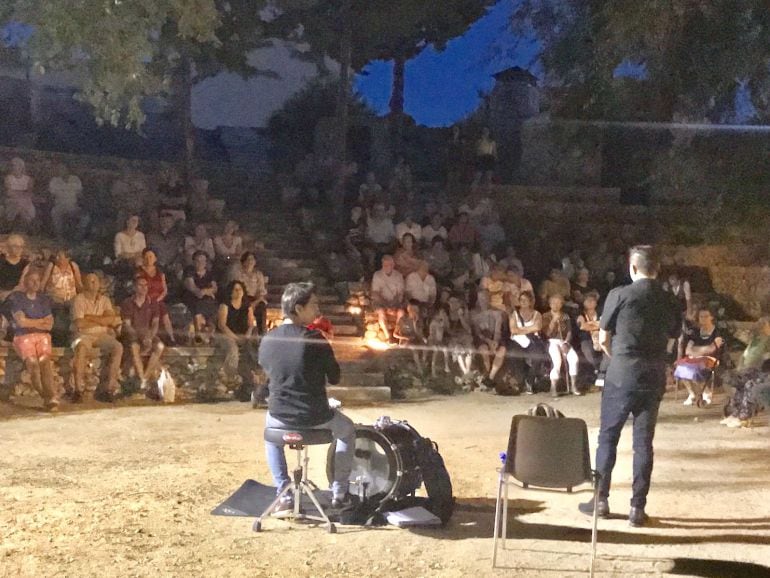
298	363
10	274
642	318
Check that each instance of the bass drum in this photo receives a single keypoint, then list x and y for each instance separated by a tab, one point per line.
385	459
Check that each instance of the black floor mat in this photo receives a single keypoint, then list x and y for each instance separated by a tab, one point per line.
251	499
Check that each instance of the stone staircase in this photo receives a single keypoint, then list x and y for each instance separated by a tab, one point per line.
289	256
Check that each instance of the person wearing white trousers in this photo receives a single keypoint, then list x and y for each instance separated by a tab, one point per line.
557	329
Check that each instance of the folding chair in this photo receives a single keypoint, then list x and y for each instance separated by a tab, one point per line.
547	453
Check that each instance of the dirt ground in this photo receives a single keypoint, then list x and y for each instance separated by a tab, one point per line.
128	491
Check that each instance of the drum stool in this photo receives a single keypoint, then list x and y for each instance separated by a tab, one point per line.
298	440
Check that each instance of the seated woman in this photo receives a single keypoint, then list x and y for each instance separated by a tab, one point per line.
409	332
200	296
61	281
581	286
703	348
406	257
199	241
588	335
19	195
459	335
235	323
157	289
557	329
255	282
130	242
228	246
526	349
439	260
751	379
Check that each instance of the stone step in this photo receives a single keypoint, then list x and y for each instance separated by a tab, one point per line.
325	294
361	379
351	395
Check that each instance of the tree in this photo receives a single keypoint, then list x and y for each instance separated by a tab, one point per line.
692	55
123	51
355	32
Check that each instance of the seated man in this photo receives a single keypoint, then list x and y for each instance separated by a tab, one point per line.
556	284
387	294
487	325
19	195
65	189
299	362
703	346
380	234
32	318
141	319
94	323
420	286
166	243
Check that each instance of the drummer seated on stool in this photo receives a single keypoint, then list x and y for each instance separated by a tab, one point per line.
298	363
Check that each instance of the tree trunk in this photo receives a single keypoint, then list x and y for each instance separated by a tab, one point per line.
397	104
344	85
397	95
188	129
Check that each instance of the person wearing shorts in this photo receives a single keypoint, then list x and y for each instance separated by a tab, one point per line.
94	323
32	320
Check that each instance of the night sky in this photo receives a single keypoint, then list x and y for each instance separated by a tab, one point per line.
444	87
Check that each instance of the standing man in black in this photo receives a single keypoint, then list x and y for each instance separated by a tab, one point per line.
636	324
299	362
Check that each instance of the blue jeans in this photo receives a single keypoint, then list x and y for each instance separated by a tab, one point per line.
343	431
617	404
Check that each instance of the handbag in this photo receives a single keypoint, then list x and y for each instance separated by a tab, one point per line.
695	368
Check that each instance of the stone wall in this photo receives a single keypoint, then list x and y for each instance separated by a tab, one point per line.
196	372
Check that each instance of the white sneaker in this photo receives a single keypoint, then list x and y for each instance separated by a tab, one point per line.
734	422
690	400
707	397
726	420
599	382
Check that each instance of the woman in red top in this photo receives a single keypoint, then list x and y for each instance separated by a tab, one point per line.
157	290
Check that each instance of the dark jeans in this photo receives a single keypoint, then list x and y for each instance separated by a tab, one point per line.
617	404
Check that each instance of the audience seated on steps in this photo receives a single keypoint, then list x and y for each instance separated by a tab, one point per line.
387	294
167	244
61	281
228	247
255	282
410	332
157	290
407	257
434	229
139	334
19	199
130	242
32	319
751	379
95	325
235	329
200	241
66	190
200	297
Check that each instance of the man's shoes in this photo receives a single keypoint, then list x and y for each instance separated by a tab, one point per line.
706	398
602	508
284	507
52	406
733	421
105	396
76	397
342	502
691	399
637	518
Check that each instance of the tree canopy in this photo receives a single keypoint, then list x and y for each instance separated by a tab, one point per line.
123	51
693	56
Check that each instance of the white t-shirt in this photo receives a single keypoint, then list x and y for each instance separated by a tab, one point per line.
389	288
65	192
415	229
126	244
424	290
380	231
429	233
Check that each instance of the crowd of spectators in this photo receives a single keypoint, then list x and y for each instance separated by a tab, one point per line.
163	281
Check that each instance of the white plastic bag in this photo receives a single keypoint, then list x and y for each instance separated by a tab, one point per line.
166	386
